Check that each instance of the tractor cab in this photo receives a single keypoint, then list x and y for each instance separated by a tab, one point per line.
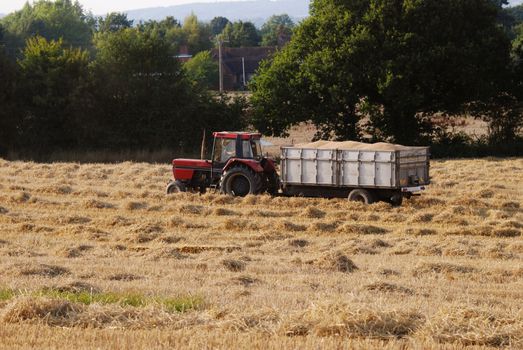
239	145
236	167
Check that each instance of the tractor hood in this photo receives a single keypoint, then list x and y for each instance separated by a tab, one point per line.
191	163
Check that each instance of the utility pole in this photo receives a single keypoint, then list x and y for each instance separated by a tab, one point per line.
220	41
243	67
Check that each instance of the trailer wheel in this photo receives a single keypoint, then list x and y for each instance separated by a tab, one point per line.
176	187
239	181
396	199
361	195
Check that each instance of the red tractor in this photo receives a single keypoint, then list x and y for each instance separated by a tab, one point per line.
237	167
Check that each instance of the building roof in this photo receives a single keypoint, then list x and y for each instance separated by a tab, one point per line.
252	56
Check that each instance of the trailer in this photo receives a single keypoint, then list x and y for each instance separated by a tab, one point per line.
359	171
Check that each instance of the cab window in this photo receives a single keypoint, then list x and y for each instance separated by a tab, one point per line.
224	149
256	148
247	149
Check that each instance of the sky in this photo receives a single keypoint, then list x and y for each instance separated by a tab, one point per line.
104	6
99	7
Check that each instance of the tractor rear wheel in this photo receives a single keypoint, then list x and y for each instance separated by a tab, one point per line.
176	187
361	195
239	181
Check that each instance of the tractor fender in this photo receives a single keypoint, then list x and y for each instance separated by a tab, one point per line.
251	163
268	165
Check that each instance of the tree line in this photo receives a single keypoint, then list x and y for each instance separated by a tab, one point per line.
377	70
72	81
67	20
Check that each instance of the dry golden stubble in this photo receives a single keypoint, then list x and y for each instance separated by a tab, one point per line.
472	326
466	245
336	262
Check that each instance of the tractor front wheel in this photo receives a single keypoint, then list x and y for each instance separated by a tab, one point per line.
176	187
239	181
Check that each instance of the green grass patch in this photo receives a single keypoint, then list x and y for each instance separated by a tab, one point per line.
6	294
181	304
171	304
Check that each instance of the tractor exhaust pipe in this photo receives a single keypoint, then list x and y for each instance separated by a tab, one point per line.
202	151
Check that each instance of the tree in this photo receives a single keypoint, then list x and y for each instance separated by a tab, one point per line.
53	20
277	31
218	24
241	34
203	70
517	44
197	34
168	29
510	18
136	97
7	102
393	60
149	103
503	111
52	80
113	22
499	3
516	13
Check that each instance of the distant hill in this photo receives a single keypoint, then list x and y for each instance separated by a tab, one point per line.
256	11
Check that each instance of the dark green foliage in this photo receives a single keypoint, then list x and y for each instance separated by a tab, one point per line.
7	102
134	95
137	98
460	145
510	18
147	103
194	35
197	34
357	69
203	70
499	3
516	13
517	43
52	81
517	56
218	24
277	31
114	22
241	34
390	59
169	29
53	20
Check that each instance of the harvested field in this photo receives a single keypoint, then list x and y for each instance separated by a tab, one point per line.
96	256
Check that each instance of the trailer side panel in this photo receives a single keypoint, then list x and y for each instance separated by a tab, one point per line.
354	168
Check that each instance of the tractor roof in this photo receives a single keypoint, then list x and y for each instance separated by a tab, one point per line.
233	134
